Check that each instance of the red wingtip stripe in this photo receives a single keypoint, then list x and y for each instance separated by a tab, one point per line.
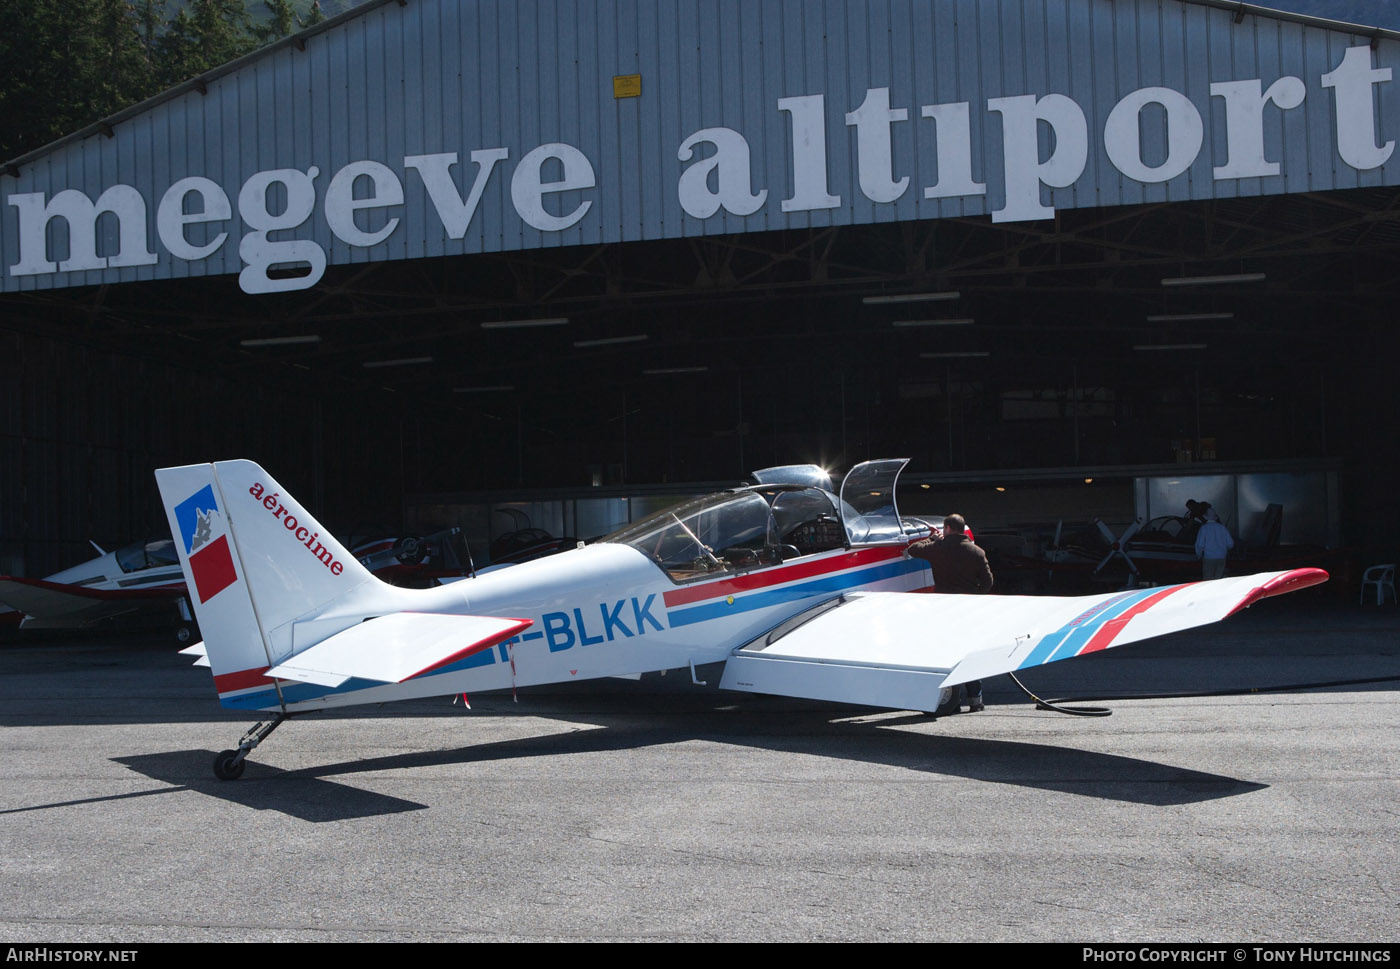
1290	581
474	648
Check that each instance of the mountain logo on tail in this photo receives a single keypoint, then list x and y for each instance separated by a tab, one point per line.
205	534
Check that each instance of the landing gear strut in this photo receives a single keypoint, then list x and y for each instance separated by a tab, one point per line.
229	764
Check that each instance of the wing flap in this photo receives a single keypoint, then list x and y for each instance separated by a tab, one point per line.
874	686
896	650
395	648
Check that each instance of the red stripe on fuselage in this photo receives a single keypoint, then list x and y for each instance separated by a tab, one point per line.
373	548
1109	631
770	577
88	592
242	680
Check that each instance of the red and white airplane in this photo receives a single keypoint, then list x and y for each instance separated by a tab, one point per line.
798	591
145	577
140	577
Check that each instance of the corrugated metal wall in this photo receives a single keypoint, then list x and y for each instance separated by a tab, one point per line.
444	76
82	428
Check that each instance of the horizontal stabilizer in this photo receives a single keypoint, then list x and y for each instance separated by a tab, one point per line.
395	648
897	650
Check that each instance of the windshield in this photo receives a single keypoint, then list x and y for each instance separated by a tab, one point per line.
146	555
726	532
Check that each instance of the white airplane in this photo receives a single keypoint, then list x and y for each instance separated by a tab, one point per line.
142	576
146	577
797	591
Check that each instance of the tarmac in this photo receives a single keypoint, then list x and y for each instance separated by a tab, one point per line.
658	810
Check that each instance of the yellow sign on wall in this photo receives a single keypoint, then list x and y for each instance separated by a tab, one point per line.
627	85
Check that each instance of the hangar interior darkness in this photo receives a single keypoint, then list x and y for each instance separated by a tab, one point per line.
1069	344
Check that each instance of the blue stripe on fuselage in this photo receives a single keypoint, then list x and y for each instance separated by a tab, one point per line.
294	692
792	593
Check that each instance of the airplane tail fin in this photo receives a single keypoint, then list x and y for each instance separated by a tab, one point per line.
264	577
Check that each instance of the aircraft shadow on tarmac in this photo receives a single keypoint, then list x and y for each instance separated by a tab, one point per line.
308	799
309	795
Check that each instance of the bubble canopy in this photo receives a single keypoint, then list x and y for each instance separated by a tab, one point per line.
735	531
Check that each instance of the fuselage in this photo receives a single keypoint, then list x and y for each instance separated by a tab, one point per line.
608	610
126	568
135	576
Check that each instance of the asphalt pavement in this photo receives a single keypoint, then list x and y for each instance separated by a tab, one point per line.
658	810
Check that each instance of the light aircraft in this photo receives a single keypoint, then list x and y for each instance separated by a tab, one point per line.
146	577
417	561
142	576
799	591
1163	549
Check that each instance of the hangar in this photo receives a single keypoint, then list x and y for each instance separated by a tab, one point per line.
437	247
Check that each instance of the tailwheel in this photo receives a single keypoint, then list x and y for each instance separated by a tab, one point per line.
229	764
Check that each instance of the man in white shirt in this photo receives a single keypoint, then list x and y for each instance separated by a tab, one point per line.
1213	543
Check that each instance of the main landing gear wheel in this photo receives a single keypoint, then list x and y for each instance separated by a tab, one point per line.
228	765
947	702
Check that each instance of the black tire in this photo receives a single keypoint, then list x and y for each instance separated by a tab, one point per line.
226	768
948	704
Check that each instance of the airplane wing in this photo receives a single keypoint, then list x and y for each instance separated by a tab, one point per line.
56	605
897	649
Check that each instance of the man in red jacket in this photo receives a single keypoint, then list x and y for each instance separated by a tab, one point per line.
959	567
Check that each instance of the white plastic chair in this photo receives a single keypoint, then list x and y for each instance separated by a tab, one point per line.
1383	578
